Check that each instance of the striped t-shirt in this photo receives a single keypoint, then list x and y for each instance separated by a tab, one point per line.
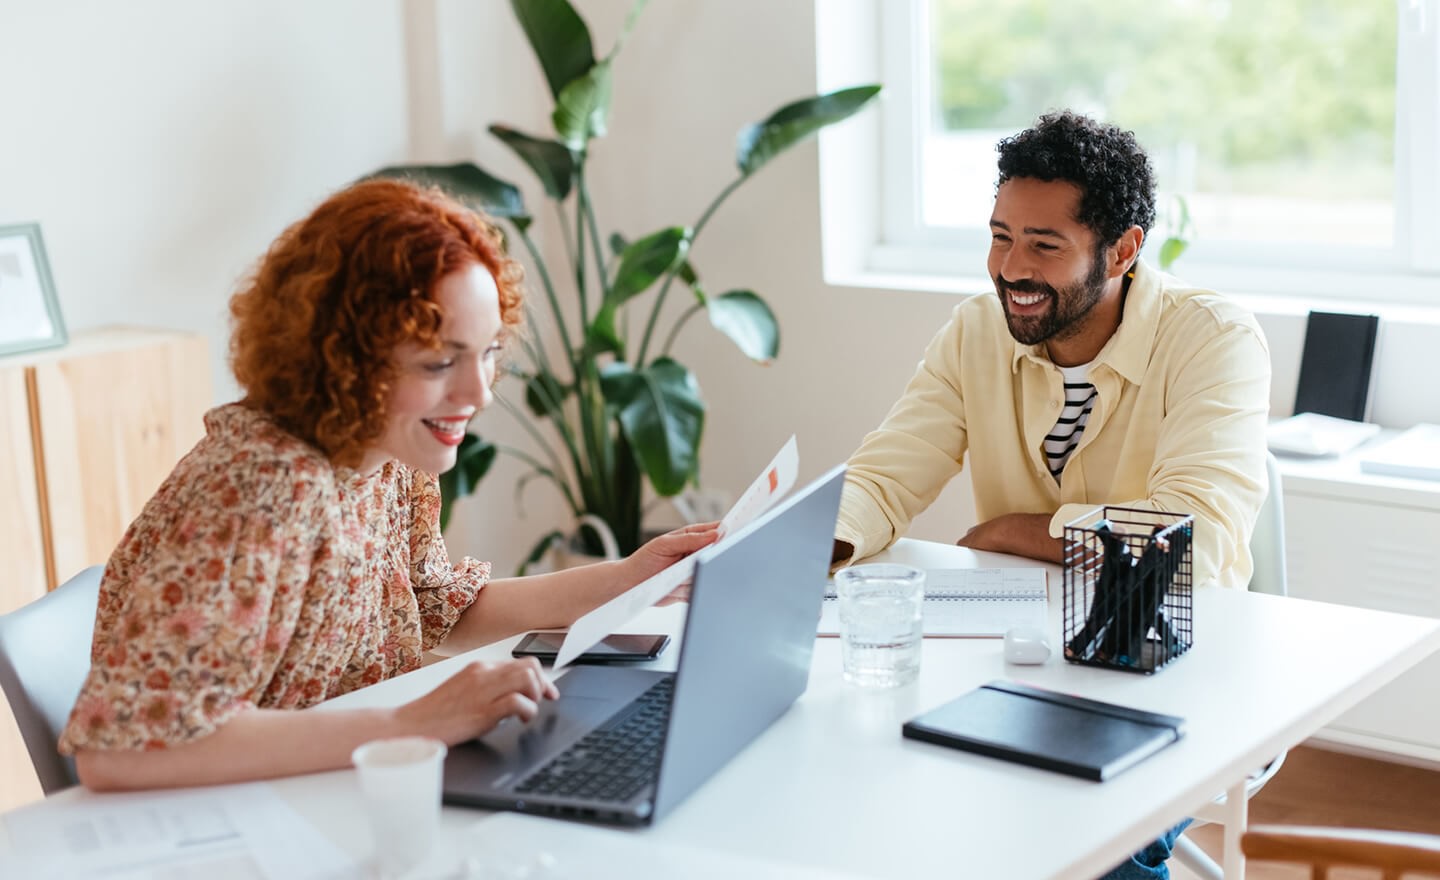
1065	436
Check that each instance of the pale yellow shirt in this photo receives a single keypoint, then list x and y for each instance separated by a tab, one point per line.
1179	426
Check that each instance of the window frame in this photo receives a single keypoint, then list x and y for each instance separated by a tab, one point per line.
885	39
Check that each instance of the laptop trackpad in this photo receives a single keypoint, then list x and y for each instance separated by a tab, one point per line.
508	753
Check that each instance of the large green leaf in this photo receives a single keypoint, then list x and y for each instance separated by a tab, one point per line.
748	321
544	393
686	272
643	262
662	415
583	107
759	143
469	183
551	161
472	461
560	40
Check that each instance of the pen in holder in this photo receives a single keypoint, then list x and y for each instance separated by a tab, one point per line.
1129	588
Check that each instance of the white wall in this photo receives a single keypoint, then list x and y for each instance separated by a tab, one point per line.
162	144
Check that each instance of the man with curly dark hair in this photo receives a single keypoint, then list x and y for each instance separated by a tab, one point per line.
1089	379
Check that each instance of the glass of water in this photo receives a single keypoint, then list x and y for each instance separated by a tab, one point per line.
880	623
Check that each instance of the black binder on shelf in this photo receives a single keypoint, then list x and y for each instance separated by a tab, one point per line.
1049	730
1336	365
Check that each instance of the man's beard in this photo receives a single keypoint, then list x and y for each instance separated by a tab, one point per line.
1069	305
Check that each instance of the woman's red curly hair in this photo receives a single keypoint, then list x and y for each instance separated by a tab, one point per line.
315	328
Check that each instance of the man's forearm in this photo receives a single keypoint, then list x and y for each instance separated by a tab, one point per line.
1019	534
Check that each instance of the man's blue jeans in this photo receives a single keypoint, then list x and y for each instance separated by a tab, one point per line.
1149	863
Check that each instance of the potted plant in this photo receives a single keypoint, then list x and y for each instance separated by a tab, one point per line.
622	411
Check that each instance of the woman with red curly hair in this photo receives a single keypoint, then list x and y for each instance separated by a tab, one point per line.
295	553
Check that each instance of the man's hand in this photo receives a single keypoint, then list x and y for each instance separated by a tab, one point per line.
1019	534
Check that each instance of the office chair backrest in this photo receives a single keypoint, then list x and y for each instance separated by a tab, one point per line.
44	658
1394	854
1267	541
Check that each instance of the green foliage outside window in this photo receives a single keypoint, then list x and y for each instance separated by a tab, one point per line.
1288	97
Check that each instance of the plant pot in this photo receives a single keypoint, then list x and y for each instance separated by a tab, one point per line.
571	552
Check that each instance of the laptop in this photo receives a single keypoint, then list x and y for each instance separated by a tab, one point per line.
624	746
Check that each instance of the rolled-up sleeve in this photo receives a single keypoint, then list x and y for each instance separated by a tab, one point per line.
902	466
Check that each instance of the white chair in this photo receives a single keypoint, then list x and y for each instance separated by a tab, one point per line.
44	658
1267	549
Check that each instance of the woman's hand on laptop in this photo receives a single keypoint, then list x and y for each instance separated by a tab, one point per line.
660	553
478	697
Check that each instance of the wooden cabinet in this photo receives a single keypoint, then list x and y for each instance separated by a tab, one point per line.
22	545
1359	539
87	434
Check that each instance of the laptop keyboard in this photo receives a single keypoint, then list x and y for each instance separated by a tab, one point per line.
613	761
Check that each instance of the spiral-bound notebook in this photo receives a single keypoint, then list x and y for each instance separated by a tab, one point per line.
982	602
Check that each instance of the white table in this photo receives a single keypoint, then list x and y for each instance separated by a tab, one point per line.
834	786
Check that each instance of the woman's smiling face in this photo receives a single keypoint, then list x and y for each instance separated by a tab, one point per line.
436	392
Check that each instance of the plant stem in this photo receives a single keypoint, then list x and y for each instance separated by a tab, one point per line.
580	245
589	205
545	472
539	438
550	294
591	402
675	331
675	270
534	346
565	231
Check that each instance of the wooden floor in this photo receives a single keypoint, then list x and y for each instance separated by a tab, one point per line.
1318	787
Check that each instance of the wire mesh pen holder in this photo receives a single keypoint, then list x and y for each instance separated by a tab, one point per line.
1129	588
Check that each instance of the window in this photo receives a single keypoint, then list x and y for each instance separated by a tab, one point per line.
1301	137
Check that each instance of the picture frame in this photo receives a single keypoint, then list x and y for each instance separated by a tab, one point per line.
29	311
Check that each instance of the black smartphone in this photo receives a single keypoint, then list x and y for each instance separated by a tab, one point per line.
619	648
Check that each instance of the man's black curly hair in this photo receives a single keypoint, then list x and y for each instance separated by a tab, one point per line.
1117	184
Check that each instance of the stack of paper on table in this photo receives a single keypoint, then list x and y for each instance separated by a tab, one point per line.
968	602
1415	453
1311	434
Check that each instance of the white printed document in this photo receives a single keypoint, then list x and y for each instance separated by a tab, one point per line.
513	845
960	602
772	484
232	832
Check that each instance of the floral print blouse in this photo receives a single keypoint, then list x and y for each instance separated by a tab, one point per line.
262	575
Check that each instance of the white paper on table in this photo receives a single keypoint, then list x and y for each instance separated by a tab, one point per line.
236	832
513	845
772	484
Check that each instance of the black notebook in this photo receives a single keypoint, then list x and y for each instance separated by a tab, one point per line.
1335	365
1049	730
